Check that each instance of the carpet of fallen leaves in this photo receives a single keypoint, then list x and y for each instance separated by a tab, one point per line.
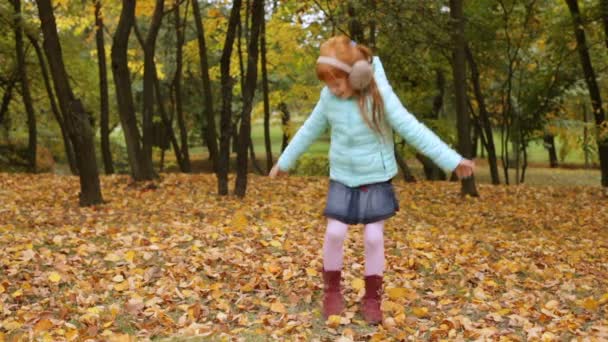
172	260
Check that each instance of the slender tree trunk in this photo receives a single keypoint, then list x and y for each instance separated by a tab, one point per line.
372	25
227	84
459	68
594	92
104	122
6	98
67	144
604	6
179	32
249	91
549	140
254	159
76	119
484	117
285	119
405	169
167	123
124	96
267	142
209	128
585	137
524	166
25	88
149	47
433	172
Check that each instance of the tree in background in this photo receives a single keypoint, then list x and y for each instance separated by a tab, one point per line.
104	106
459	69
594	91
25	87
76	119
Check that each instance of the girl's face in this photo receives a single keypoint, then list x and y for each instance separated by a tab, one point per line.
340	87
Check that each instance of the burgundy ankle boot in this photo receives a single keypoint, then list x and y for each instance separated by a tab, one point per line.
370	303
333	303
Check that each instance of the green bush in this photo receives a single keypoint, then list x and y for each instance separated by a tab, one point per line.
312	165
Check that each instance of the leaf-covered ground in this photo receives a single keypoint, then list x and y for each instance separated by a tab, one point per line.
173	260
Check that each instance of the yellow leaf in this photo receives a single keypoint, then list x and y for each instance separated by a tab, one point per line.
2	289
278	307
239	220
358	284
54	277
17	293
122	286
42	325
602	300
11	325
400	292
310	271
333	321
118	278
121	338
130	256
112	257
420	312
276	244
552	304
71	335
479	293
590	304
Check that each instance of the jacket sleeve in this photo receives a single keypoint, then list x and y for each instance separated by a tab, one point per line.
310	130
414	132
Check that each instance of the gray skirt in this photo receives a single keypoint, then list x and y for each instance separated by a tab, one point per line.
361	205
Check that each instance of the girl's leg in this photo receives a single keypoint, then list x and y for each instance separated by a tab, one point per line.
374	248
333	248
374	267
333	252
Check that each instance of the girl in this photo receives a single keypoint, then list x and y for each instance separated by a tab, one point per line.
361	108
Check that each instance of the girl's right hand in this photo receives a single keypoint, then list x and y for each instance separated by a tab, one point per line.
275	171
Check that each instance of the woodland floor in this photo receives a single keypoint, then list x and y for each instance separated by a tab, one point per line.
173	261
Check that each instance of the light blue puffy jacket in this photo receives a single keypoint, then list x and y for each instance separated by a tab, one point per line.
358	155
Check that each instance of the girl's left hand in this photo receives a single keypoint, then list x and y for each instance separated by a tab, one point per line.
465	169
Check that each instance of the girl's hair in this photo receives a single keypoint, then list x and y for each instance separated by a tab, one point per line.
342	48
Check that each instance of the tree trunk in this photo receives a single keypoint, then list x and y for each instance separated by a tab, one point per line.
524	166
6	99
183	133
267	142
585	137
407	173
227	83
549	140
459	69
149	47
484	116
76	119
209	128
594	92
604	6
104	113
67	144
124	96
248	93
433	172
285	118
167	122
254	159
25	88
